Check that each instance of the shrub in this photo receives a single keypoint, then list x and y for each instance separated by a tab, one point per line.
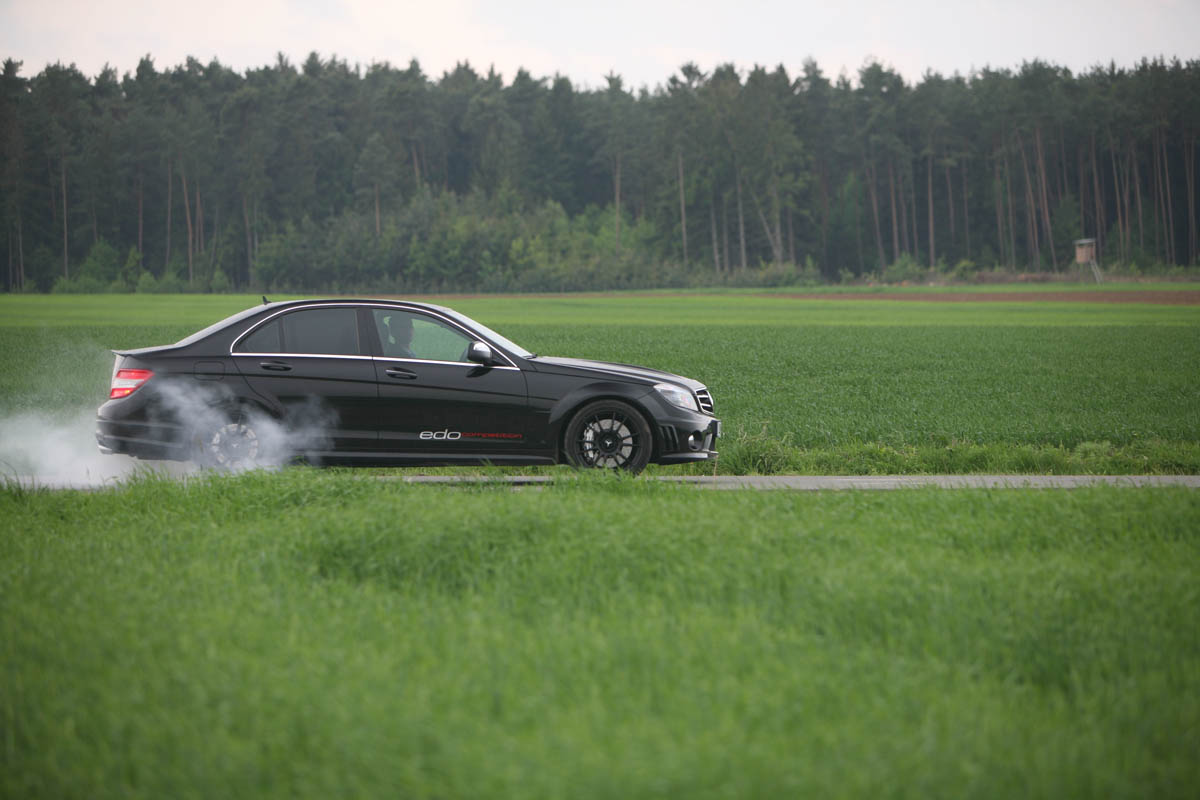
83	284
102	264
171	284
905	268
220	283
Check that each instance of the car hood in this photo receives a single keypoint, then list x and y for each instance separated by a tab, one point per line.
582	366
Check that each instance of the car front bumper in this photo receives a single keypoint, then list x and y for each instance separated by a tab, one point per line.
682	446
682	435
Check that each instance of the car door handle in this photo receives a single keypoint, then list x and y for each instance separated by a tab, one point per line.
403	374
275	366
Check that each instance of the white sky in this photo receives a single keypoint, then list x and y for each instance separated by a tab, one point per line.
644	41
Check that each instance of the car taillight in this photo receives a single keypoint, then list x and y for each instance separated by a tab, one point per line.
126	381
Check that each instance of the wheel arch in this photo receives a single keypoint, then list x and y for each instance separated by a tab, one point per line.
570	405
219	413
249	405
233	404
180	401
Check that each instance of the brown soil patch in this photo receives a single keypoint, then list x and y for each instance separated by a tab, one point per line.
1153	296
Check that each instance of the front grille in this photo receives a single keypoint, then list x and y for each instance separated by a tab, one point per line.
705	400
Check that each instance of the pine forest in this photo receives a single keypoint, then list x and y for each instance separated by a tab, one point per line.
329	177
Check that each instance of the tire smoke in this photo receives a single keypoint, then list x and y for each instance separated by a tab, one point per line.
59	450
220	435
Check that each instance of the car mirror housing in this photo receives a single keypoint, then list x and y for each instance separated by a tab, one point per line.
480	353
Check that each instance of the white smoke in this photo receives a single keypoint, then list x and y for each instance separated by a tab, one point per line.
205	412
60	450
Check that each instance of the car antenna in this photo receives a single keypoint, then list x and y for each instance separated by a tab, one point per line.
265	300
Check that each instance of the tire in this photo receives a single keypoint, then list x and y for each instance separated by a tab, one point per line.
229	443
608	434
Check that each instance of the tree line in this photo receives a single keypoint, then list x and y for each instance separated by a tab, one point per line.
324	176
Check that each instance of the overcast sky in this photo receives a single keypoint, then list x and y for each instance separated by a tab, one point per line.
644	41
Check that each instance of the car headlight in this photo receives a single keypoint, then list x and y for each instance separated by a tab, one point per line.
677	396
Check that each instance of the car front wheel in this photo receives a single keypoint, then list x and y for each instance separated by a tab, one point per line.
609	434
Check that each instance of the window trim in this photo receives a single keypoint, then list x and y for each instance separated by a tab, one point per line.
283	337
472	335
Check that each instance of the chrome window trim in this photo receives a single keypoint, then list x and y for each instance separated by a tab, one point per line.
433	361
283	311
472	335
302	355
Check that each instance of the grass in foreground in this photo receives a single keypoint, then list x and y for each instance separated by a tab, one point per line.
310	634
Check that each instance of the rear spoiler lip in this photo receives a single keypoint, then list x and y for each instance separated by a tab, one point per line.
145	351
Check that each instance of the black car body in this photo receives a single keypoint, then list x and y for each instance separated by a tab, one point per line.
381	382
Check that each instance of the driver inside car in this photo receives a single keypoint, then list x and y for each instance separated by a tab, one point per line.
400	334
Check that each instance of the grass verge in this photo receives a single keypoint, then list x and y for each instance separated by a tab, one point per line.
761	454
312	634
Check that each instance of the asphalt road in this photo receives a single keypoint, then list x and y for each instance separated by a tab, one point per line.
792	482
871	482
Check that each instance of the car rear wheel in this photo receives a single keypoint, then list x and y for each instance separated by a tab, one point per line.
230	442
608	434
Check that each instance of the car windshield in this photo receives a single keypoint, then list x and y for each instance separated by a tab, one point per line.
507	344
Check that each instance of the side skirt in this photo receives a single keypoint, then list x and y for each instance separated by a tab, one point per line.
365	459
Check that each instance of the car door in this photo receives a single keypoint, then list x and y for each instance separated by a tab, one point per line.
434	402
311	366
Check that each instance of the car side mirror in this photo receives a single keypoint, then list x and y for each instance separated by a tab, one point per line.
480	353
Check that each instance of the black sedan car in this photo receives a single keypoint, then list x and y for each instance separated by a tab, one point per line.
381	382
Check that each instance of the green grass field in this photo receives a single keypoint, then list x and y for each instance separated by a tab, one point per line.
802	386
312	634
322	633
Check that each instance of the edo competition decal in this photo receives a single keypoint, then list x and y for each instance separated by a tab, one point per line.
450	436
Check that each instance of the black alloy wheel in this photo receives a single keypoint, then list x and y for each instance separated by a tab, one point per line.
228	443
609	434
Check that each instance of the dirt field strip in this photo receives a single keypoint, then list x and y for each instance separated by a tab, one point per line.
1150	296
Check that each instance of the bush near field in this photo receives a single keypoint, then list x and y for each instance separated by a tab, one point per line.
565	258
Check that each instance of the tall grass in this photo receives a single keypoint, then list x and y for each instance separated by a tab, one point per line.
827	386
306	634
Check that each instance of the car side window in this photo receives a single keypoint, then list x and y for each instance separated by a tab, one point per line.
403	334
321	331
263	340
315	331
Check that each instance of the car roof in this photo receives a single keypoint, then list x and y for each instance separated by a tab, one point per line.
335	301
221	325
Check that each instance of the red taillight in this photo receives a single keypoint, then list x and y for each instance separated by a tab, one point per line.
127	381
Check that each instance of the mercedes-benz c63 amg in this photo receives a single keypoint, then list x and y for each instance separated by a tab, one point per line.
381	382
